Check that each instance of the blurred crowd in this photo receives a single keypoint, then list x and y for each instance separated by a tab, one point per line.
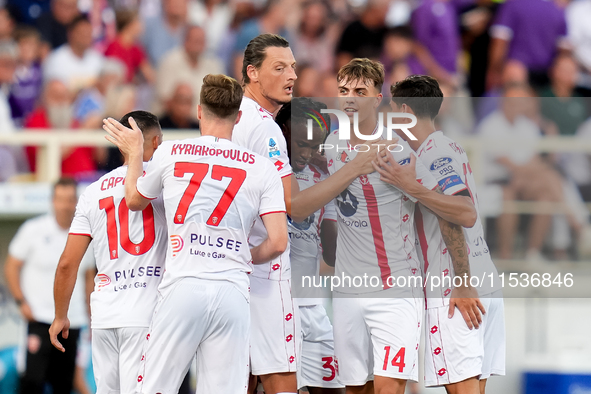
67	64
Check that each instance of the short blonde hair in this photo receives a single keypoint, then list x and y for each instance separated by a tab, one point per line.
221	95
363	69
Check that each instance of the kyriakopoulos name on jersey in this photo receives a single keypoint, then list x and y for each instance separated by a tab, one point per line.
219	242
201	150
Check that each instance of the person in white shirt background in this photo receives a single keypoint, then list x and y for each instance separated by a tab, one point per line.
33	256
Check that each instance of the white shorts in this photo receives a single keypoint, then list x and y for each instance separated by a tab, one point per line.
275	336
116	355
318	367
377	336
209	318
454	353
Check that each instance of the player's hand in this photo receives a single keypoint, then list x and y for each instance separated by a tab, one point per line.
128	140
363	160
26	311
59	325
467	301
403	177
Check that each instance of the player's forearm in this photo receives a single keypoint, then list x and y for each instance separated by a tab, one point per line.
453	236
306	202
455	209
12	271
268	250
134	171
65	280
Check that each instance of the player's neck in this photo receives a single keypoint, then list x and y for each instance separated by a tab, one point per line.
255	94
422	131
218	129
366	127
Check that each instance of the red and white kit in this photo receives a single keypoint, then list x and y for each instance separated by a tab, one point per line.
453	352
275	331
213	192
129	249
317	366
376	249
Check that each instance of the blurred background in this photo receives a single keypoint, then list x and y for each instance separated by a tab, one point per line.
516	75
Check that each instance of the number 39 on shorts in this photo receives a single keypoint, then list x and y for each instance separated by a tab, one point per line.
397	360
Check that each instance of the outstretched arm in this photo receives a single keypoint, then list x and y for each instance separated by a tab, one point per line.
306	202
456	209
65	280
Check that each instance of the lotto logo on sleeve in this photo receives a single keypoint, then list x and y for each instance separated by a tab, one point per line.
176	243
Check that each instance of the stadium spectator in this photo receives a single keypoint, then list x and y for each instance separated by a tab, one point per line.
56	112
579	31
308	82
519	169
364	37
272	20
397	57
165	31
53	25
7	24
28	78
179	109
186	64
435	26
33	256
127	49
560	103
89	108
529	31
215	17
314	39
76	64
8	161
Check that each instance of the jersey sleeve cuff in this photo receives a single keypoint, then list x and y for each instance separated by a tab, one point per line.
74	233
266	213
147	198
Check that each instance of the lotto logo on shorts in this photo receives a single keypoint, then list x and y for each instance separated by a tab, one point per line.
445	272
433	329
291	359
405	218
177	243
437	351
446	292
288	317
441	372
275	267
140	378
289	337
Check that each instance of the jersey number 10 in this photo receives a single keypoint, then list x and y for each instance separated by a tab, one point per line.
108	204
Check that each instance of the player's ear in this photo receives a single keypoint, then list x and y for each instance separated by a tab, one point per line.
199	111
378	100
238	117
253	73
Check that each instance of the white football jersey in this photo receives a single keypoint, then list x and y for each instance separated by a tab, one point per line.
213	192
258	132
376	235
129	248
304	239
448	163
